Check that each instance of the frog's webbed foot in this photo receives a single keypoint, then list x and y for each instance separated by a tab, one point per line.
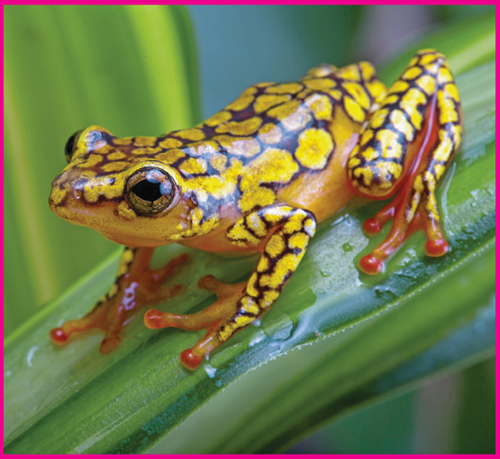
226	305
135	286
282	234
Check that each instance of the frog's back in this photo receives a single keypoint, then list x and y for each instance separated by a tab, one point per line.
281	142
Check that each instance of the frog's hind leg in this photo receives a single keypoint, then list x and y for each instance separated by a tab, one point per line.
406	147
282	234
135	286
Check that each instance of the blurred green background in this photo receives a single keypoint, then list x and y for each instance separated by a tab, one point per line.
50	92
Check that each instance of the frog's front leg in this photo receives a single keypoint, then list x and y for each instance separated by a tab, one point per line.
282	234
407	146
135	286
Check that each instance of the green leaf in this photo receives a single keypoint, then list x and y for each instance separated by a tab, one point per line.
68	67
76	400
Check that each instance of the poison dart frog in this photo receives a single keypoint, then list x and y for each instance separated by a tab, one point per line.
260	175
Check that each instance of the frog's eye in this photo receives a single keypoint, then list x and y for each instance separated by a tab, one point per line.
70	145
150	191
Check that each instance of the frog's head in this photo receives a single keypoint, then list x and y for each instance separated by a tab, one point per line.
120	189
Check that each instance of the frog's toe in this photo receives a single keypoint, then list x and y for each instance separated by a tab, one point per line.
109	344
57	336
190	360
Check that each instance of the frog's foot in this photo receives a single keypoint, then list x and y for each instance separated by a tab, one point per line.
228	296
135	286
411	211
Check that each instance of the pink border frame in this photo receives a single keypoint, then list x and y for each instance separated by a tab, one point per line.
497	13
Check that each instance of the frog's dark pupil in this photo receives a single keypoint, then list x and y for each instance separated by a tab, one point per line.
148	190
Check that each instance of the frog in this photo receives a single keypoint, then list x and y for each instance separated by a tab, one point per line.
258	177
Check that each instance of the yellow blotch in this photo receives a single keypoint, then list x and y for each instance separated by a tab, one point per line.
242	102
287	88
409	104
239	146
124	141
218	161
322	71
146	151
444	149
370	154
377	89
297	120
310	226
367	136
411	73
257	197
335	93
428	58
170	143
320	106
389	100
256	224
91	193
389	144
400	122
268	298
191	134
320	84
241	236
447	110
263	264
275	246
367	70
270	133
400	86
298	241
272	166
170	156
218	186
218	118
193	166
116	156
414	61
439	170
351	72
282	111
207	147
315	145
353	162
444	76
358	93
354	110
144	141
265	101
452	91
115	166
284	266
57	195
91	161
247	127
249	304
294	223
427	84
366	173
387	172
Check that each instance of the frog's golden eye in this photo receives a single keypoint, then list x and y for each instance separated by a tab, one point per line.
70	146
149	191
